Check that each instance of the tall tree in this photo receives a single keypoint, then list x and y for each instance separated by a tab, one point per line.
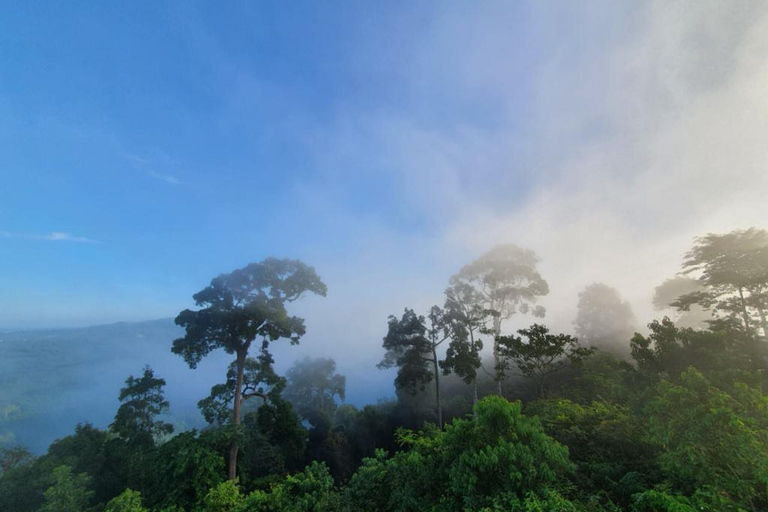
667	294
239	307
506	282
258	380
541	354
128	501
411	346
465	319
12	457
712	437
734	269
604	320
142	400
69	492
314	386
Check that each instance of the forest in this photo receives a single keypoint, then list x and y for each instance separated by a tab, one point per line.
487	417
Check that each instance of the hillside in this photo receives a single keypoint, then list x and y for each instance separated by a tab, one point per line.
50	380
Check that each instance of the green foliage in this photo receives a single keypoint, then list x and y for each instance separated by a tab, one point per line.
92	452
506	280
185	468
547	501
606	443
669	293
142	400
311	490
128	501
411	344
280	426
734	269
236	309
712	438
246	304
259	380
667	351
662	500
599	377
13	457
603	319
540	355
313	388
225	497
501	283
69	492
408	349
659	501
465	318
499	456
21	488
685	429
369	487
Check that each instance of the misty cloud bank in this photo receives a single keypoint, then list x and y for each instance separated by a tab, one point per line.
604	137
648	132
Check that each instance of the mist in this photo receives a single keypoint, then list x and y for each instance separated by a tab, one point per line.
385	146
609	147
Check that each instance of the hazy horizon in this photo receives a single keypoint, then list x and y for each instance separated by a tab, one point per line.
385	146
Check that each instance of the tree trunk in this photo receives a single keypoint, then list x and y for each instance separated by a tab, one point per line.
236	419
474	381
437	387
496	358
744	311
763	322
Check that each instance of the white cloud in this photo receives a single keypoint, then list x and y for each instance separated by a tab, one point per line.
159	159
687	103
638	140
171	180
54	236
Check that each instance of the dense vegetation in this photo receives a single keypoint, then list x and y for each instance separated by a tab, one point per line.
672	420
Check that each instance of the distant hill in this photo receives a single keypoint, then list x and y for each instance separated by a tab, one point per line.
53	379
50	380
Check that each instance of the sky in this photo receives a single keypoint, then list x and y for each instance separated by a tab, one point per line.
146	147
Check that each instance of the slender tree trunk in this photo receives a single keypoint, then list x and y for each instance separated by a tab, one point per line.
236	420
496	357
474	381
744	311
437	387
763	322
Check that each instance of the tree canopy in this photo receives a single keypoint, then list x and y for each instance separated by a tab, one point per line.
142	401
680	427
235	310
314	387
504	282
603	319
734	269
541	354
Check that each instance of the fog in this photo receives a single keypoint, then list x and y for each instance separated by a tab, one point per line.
646	133
602	136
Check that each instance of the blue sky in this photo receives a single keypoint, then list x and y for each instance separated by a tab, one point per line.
149	146
182	140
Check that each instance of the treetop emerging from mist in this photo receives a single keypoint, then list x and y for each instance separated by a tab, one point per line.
604	319
247	303
738	258
237	308
501	282
507	278
733	271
